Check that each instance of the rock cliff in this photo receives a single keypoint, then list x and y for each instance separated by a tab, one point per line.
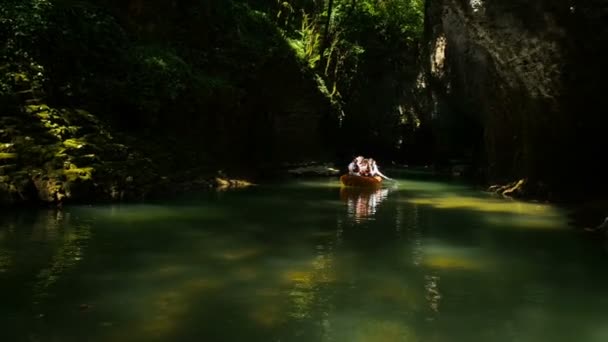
514	83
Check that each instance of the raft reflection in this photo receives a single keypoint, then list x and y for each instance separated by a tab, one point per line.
362	203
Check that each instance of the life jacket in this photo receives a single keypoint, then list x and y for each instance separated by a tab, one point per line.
353	167
364	169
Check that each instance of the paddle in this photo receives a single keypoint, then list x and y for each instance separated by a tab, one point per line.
384	177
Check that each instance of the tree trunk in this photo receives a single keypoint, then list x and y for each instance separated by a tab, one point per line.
325	41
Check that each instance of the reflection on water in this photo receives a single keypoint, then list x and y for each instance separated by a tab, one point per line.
432	292
37	251
438	263
362	203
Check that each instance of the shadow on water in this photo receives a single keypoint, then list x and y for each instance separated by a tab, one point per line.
303	261
37	250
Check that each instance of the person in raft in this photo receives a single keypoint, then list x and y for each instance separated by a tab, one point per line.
354	166
364	167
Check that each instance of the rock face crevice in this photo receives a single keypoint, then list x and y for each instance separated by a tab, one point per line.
505	80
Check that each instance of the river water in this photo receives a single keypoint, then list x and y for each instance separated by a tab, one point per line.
304	260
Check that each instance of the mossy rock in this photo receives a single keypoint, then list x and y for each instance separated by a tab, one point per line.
7	169
50	189
64	132
98	136
79	146
7	158
49	125
90	132
73	130
74	143
17	188
80	117
6	194
10	121
58	186
6	134
116	152
7	148
74	173
81	190
37	108
68	155
36	155
86	159
43	115
58	161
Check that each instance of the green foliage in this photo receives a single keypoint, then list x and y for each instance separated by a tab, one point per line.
202	60
58	47
308	43
367	59
157	77
21	22
83	45
400	20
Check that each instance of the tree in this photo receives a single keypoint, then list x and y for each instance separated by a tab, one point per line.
330	7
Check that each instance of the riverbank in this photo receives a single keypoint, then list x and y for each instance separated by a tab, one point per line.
52	156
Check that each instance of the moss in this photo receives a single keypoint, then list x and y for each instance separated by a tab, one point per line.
75	173
73	130
74	143
57	132
44	115
79	117
7	147
35	154
37	108
86	159
5	156
50	125
21	78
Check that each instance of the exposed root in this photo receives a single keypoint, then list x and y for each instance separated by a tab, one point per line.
514	189
224	183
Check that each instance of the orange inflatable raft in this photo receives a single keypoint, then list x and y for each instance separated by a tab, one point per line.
360	181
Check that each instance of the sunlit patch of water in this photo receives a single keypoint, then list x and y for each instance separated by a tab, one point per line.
382	330
597	333
239	254
441	256
482	204
548	222
498	212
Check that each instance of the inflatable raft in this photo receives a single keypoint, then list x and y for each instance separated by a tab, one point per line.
360	181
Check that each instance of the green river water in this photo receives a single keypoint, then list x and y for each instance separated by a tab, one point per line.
304	260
